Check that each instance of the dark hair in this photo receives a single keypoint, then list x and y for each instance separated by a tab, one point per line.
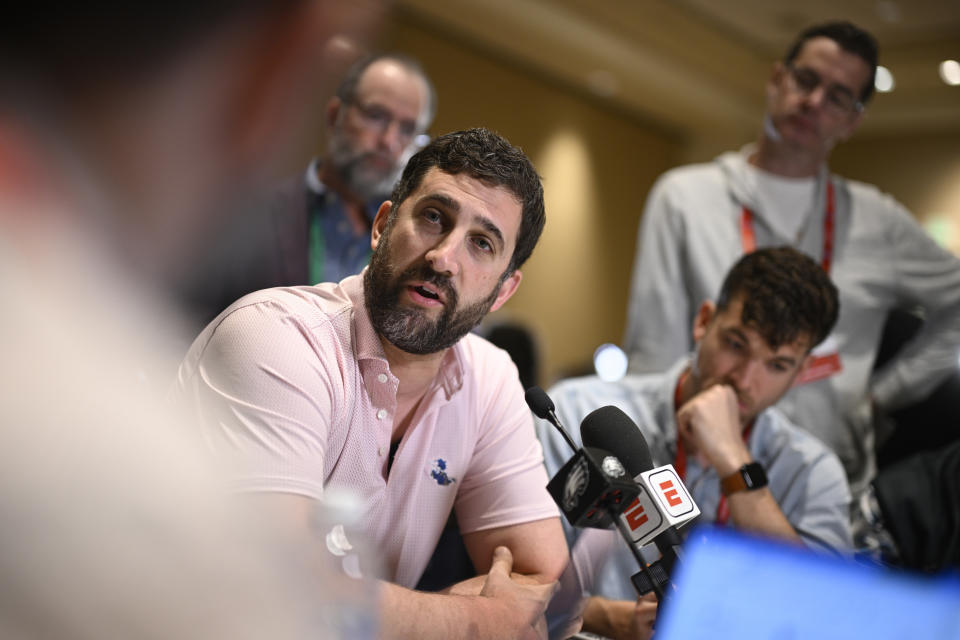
347	91
786	295
851	39
488	157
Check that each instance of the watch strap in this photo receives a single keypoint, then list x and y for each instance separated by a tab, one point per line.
749	477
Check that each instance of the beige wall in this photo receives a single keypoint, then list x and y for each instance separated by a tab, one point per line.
597	165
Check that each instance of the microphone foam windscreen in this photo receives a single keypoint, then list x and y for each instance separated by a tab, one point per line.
611	429
539	402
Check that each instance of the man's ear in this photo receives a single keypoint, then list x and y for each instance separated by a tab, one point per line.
704	315
773	82
507	289
333	111
380	223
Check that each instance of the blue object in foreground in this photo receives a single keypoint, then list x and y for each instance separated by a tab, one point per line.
736	587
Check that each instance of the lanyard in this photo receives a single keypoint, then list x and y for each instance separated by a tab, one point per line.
680	461
750	241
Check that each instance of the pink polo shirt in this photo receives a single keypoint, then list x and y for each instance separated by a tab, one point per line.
293	387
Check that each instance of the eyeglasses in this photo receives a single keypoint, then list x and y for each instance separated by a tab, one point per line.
380	119
838	97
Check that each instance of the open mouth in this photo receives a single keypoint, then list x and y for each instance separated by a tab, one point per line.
426	293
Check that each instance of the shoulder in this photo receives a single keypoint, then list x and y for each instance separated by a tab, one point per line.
301	306
482	358
276	321
583	391
869	198
687	190
690	175
782	439
633	394
490	381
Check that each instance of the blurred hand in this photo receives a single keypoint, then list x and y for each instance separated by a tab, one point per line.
622	619
644	615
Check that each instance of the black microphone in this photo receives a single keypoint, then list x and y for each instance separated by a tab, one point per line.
543	407
593	487
612	429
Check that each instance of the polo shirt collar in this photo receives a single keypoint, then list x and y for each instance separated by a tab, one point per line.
367	345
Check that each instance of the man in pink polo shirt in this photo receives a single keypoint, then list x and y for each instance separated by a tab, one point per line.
375	386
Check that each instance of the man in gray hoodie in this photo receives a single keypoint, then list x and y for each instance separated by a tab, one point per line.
699	219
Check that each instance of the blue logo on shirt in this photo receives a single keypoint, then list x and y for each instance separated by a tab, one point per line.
439	473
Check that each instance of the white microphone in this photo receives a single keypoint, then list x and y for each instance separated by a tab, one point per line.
664	502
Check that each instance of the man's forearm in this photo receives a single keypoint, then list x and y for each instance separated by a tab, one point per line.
757	511
407	614
504	608
415	615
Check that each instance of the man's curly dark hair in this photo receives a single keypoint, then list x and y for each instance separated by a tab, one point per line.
786	295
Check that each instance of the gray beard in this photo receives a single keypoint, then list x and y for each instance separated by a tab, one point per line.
366	184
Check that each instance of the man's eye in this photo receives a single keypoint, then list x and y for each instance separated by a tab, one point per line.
483	244
408	129
841	98
807	79
378	116
736	345
431	216
779	367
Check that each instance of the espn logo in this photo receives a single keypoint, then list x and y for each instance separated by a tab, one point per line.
670	492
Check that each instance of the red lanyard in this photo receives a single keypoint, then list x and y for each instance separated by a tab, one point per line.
750	241
680	461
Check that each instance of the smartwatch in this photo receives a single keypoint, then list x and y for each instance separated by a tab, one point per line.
747	478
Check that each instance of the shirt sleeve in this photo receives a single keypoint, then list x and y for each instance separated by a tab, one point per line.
506	480
658	330
264	386
927	276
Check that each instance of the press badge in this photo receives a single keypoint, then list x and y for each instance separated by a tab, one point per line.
824	362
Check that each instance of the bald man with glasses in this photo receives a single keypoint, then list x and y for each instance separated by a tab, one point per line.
699	219
315	226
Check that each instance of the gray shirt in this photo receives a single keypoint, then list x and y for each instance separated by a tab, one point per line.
806	478
690	237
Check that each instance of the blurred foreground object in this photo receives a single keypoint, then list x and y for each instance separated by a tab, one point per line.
120	125
734	586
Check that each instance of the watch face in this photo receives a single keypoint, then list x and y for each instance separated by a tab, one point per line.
754	476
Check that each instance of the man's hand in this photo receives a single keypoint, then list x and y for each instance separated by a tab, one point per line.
523	605
473	586
710	422
621	619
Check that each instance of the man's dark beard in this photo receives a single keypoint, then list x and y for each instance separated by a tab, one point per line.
409	328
